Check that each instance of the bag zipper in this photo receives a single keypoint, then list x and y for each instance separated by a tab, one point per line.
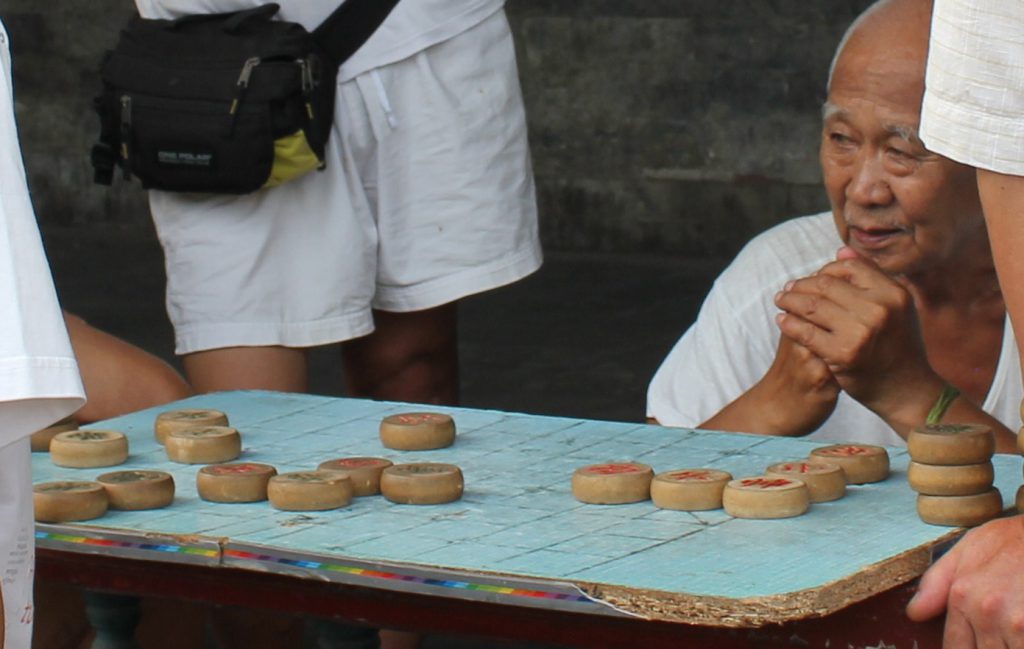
126	133
307	84
241	86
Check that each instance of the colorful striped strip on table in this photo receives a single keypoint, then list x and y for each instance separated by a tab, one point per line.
111	543
378	574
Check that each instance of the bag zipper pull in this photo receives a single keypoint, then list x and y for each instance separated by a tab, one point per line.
243	83
307	84
126	132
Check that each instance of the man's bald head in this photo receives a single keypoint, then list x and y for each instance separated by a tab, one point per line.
888	28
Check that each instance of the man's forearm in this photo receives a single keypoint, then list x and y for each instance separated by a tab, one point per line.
916	403
760	410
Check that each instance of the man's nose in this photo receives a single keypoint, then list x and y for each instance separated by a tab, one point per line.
869	185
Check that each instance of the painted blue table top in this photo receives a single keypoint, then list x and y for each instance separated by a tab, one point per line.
518	536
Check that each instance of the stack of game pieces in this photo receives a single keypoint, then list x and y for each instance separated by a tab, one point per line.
951	471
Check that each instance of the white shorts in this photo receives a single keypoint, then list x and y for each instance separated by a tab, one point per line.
428	197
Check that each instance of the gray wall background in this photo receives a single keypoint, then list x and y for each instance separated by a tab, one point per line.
657	126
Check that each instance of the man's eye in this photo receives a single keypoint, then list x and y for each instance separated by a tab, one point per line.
839	138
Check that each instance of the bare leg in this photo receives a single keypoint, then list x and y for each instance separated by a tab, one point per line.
409	357
247	368
119	377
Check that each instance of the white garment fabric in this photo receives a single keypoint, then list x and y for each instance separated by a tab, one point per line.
39	382
412	26
428	196
973	110
733	341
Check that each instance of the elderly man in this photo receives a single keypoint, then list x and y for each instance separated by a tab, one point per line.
862	344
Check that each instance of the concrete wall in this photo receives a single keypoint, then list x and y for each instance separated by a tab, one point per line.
679	126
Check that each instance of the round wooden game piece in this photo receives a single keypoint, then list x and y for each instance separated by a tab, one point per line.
614	483
951	444
172	420
234	482
134	490
306	491
85	449
422	483
40	439
689	490
862	463
364	472
950	479
826	481
766	497
68	500
960	511
206	445
1020	441
1019	500
417	431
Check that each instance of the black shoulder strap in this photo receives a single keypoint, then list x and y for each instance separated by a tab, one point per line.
351	25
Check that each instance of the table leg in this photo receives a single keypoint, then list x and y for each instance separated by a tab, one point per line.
114	618
328	634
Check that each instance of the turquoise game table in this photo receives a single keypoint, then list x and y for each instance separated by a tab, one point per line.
517	556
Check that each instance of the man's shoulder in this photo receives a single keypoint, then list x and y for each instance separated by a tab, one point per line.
792	248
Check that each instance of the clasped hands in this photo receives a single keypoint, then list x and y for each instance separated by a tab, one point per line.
850	328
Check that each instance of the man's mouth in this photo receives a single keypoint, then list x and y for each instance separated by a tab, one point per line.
873	238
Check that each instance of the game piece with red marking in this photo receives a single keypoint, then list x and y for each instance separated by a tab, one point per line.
766	497
234	482
364	472
417	431
689	489
826	481
613	483
863	463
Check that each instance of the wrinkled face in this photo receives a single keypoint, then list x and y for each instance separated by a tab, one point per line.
893	201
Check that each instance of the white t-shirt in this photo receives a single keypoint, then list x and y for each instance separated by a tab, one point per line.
39	381
973	110
732	344
412	26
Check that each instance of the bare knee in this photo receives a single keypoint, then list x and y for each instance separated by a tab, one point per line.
409	357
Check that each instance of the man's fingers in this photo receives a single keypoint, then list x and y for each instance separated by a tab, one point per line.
804	333
933	591
814	308
846	252
958	632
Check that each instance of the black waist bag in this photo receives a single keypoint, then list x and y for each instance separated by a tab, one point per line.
224	103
